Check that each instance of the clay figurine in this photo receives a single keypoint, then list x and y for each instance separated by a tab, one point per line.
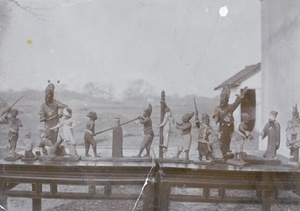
293	140
89	135
49	111
148	132
223	116
186	139
29	145
68	124
167	125
13	133
204	131
272	130
51	150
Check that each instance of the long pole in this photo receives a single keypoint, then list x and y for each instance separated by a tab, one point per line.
161	132
114	127
11	106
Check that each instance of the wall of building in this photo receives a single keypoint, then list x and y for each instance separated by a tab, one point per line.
280	22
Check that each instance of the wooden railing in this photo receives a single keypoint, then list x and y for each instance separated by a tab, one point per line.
264	183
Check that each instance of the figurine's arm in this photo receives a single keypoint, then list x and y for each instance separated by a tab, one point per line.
20	123
277	135
42	113
164	122
183	126
74	124
144	120
264	132
56	126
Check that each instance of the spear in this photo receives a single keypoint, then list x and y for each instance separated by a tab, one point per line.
11	106
114	127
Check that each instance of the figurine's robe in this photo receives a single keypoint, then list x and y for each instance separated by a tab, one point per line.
273	133
117	143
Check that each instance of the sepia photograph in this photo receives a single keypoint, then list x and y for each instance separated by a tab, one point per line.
149	105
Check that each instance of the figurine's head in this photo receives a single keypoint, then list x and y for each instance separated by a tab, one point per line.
224	96
168	111
289	124
67	112
14	113
205	119
148	111
92	115
49	93
245	118
187	117
273	115
295	112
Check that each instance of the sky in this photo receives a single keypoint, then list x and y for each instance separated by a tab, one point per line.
180	46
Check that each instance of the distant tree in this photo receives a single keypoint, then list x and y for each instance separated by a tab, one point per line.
103	91
138	90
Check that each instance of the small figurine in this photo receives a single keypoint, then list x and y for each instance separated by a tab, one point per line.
68	124
89	135
216	152
49	111
272	130
243	134
29	145
204	131
186	140
223	116
293	140
14	124
148	132
167	125
117	140
48	148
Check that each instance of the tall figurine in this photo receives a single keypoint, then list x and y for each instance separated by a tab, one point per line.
49	111
272	130
293	140
14	125
186	139
117	140
167	125
223	115
204	131
243	133
68	124
148	132
89	135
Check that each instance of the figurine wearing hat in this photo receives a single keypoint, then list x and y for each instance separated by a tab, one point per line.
243	134
186	139
89	134
148	132
272	130
14	124
223	116
204	131
117	140
167	125
49	111
68	124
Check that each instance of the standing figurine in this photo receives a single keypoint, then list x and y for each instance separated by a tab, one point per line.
243	134
89	135
14	125
49	111
148	132
223	116
186	139
29	145
167	125
272	130
204	131
117	140
68	124
293	140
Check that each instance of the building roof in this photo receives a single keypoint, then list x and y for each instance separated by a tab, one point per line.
241	76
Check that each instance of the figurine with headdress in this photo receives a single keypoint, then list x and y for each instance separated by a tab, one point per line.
203	133
167	125
272	130
186	137
223	116
148	132
49	111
